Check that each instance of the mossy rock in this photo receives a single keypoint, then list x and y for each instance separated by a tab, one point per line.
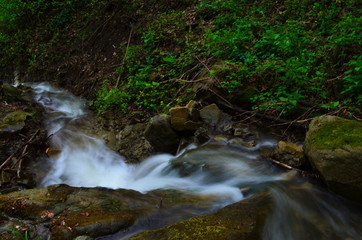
333	146
331	132
290	154
10	92
13	122
242	220
69	212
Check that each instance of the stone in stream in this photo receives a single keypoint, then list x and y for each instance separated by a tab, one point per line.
62	212
185	118
161	135
290	154
211	114
243	220
333	146
20	93
13	122
132	143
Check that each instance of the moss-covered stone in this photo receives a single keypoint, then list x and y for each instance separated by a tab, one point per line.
242	220
14	121
290	154
69	211
333	132
334	148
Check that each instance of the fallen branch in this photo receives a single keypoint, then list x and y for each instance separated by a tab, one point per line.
282	164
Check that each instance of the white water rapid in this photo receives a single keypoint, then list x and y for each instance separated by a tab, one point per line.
302	212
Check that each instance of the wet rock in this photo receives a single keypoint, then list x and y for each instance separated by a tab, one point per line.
185	142
13	122
245	132
179	116
66	212
202	135
132	143
129	141
161	135
211	114
221	139
242	142
242	220
207	159
185	118
290	154
334	147
52	152
10	92
20	93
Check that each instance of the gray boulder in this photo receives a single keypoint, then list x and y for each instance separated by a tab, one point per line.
161	135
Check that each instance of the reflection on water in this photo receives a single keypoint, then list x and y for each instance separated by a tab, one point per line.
301	210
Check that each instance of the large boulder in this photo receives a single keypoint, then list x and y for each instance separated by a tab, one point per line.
161	135
63	212
211	114
333	145
132	143
242	220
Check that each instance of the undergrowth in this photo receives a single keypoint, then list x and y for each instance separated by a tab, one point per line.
286	52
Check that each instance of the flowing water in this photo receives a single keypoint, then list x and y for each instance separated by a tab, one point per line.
302	211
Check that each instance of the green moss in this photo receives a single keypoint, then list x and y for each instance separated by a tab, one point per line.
15	117
242	220
338	133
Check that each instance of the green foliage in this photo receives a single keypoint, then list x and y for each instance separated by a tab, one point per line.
288	51
291	50
109	98
353	78
152	74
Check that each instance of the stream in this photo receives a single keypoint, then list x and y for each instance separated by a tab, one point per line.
229	174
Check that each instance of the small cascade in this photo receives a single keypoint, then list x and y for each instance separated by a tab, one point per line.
302	211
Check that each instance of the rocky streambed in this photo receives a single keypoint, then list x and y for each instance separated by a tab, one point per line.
209	176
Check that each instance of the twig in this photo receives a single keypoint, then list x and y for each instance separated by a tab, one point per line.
282	164
20	164
7	160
